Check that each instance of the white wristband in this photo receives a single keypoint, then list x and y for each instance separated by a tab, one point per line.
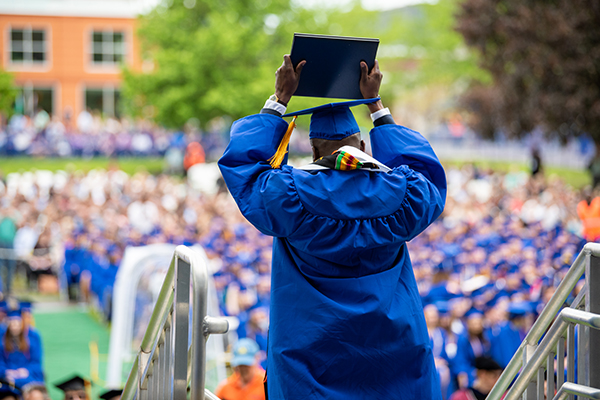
273	105
380	113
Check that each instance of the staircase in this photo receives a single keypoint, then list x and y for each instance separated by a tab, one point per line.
170	360
573	331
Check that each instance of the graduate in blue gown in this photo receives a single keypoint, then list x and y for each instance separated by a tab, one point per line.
346	317
474	343
20	352
508	338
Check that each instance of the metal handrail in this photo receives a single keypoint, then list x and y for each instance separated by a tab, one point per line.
165	366
567	316
570	388
545	319
533	355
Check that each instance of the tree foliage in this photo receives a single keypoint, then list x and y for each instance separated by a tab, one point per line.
544	58
211	58
7	93
219	58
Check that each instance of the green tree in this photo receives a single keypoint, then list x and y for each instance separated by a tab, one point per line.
544	57
8	93
211	58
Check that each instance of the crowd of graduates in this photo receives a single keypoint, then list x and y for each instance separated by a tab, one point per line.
484	269
89	135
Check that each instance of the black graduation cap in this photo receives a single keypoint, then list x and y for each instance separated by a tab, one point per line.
111	394
74	383
8	389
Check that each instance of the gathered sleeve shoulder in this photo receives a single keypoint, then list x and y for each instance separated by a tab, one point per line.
266	196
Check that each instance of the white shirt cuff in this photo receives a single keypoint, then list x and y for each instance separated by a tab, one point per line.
273	105
380	113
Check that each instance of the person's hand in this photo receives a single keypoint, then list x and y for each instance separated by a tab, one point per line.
370	83
287	78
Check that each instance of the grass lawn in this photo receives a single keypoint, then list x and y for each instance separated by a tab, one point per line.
74	343
575	178
130	165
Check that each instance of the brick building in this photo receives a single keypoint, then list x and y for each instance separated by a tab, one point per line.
66	55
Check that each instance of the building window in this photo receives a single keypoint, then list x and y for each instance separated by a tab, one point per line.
108	47
31	99
27	46
107	100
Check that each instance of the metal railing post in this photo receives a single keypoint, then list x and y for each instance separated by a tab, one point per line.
167	362
180	328
592	304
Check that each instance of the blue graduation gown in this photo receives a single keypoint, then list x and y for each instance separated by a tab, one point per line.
346	317
32	361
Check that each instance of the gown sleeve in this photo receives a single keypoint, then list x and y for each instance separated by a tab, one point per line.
36	373
408	152
262	193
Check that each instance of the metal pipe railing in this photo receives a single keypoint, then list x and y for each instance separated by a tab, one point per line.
566	317
570	388
545	319
166	365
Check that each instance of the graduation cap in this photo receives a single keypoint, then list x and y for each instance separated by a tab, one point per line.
474	312
487	363
111	394
519	309
8	390
333	121
74	383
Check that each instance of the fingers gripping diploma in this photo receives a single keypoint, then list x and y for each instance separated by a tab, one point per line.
286	79
370	83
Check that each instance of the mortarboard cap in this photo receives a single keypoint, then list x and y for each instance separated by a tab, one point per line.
8	390
519	309
474	312
333	121
111	394
74	383
487	363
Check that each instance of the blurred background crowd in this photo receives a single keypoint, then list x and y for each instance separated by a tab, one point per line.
484	269
135	88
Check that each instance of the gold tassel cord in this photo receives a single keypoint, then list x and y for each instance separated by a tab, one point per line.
279	155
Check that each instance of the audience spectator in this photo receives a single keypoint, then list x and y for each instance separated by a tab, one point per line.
487	371
20	351
35	391
247	380
8	230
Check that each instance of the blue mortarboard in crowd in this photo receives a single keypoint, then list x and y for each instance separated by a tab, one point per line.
333	121
519	309
442	307
12	313
473	312
26	306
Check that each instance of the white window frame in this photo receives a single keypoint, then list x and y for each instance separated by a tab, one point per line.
28	64
108	47
108	97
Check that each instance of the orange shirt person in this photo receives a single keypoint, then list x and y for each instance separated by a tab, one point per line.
246	383
194	154
589	213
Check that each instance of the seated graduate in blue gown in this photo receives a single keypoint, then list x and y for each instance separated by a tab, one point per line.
20	352
346	316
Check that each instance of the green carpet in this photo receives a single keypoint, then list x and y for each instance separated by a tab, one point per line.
67	336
